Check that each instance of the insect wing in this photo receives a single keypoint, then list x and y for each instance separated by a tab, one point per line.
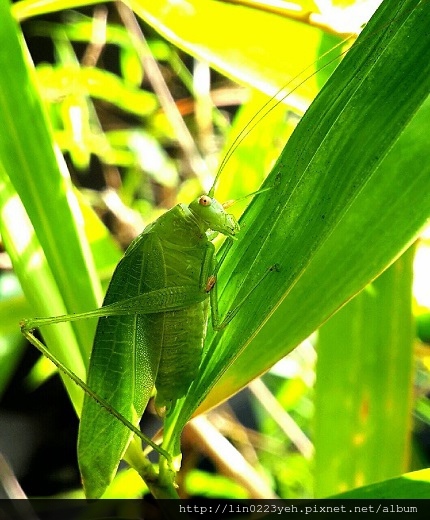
123	367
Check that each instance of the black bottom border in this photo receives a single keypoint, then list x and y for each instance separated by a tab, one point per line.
149	509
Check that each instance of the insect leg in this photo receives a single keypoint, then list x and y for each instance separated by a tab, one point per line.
210	266
229	243
104	404
145	303
217	322
166	299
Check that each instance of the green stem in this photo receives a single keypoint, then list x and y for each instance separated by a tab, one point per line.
160	489
169	468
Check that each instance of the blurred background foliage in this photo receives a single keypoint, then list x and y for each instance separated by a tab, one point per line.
142	121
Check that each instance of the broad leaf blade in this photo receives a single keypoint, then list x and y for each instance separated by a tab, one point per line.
249	52
32	267
308	221
410	485
383	221
31	169
363	388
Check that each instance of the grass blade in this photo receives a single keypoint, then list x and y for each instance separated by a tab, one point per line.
328	186
363	389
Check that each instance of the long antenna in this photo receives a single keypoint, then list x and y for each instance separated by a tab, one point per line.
262	113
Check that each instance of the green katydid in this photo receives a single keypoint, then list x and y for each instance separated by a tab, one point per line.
157	306
152	324
168	294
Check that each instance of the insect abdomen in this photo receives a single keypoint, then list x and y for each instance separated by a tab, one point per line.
183	333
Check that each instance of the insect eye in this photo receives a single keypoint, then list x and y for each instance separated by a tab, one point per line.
204	200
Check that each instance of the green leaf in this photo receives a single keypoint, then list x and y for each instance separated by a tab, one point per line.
11	341
195	26
32	173
364	376
423	327
66	80
411	485
203	484
336	217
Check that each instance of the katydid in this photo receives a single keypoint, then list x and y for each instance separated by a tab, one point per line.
152	325
150	332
